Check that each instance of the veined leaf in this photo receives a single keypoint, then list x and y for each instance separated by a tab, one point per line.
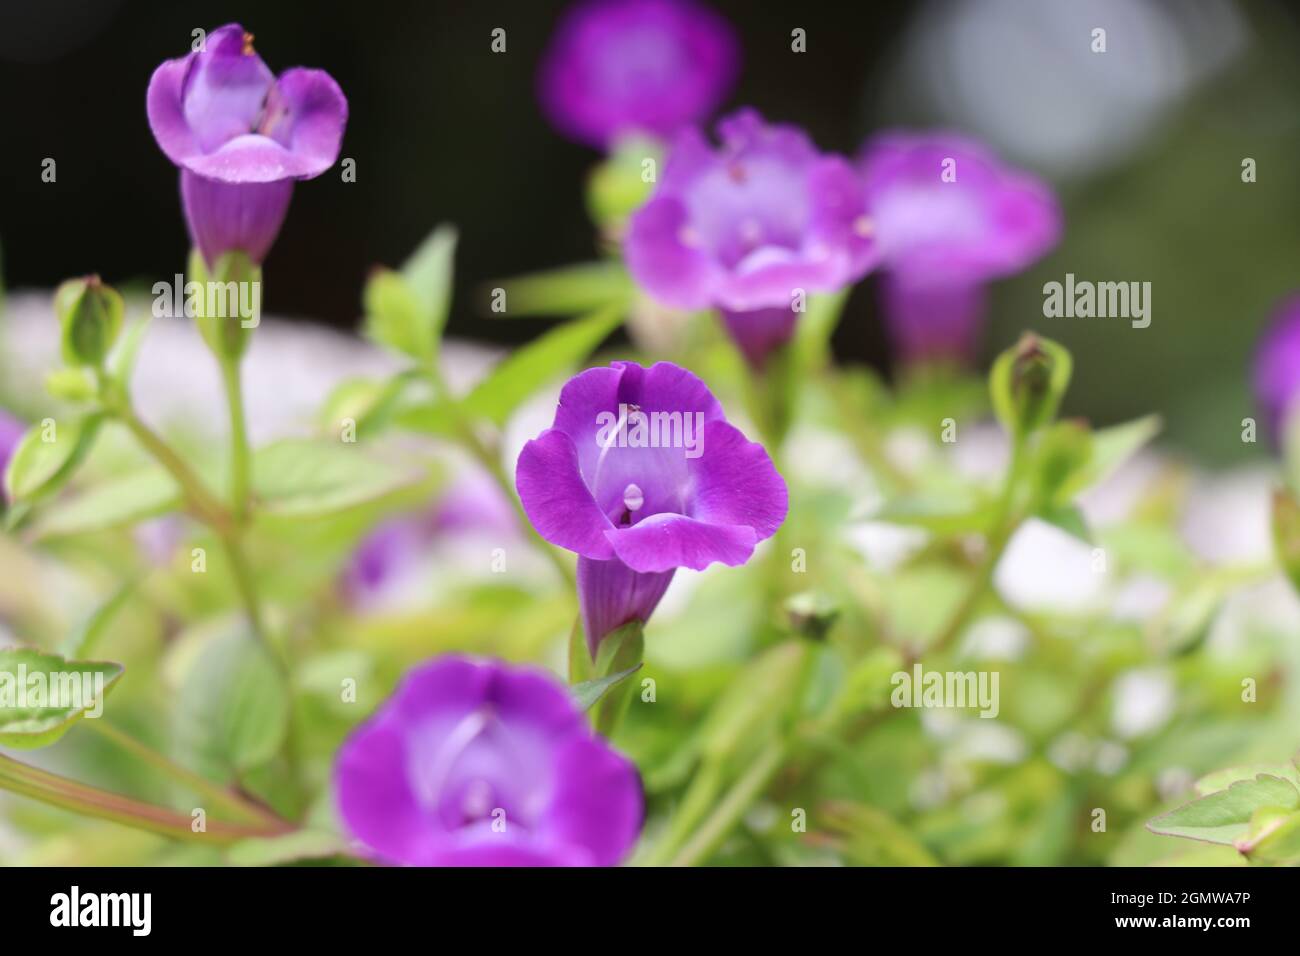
1224	816
538	363
303	477
43	695
39	467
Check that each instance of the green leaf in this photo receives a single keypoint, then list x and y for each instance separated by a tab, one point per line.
589	692
1274	838
1111	447
538	363
117	502
620	652
84	639
38	467
121	363
43	695
1069	519
571	290
1224	816
394	315
304	477
429	274
1223	779
232	712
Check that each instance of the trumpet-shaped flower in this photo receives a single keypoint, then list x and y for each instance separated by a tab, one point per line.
478	763
641	474
241	136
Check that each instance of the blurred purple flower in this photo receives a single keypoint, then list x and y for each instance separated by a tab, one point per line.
241	136
621	67
751	227
1277	368
949	216
11	433
642	474
478	763
471	505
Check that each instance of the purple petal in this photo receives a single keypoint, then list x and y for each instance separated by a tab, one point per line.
664	256
752	223
225	216
933	318
665	541
555	498
1276	373
737	484
598	803
988	221
224	89
611	594
482	764
628	66
11	433
306	113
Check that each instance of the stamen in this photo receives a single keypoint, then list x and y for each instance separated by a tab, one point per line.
248	44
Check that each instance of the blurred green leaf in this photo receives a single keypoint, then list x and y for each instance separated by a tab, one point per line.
871	837
429	274
304	477
38	467
232	710
571	290
43	695
394	315
539	363
113	503
1224	816
1111	447
589	692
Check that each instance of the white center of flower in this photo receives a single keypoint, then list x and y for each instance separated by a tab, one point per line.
633	499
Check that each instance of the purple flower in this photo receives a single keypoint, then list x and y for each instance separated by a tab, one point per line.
642	474
750	227
1277	369
949	216
622	67
477	763
11	433
241	136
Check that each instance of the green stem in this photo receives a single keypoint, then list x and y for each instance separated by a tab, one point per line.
206	507
90	801
240	459
737	801
491	463
246	810
1004	525
204	503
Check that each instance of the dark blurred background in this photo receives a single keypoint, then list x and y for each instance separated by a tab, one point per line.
1144	143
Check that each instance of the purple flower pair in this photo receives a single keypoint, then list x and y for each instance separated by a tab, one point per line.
241	136
477	763
642	474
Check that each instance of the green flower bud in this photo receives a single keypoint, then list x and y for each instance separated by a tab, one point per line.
1028	382
90	314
